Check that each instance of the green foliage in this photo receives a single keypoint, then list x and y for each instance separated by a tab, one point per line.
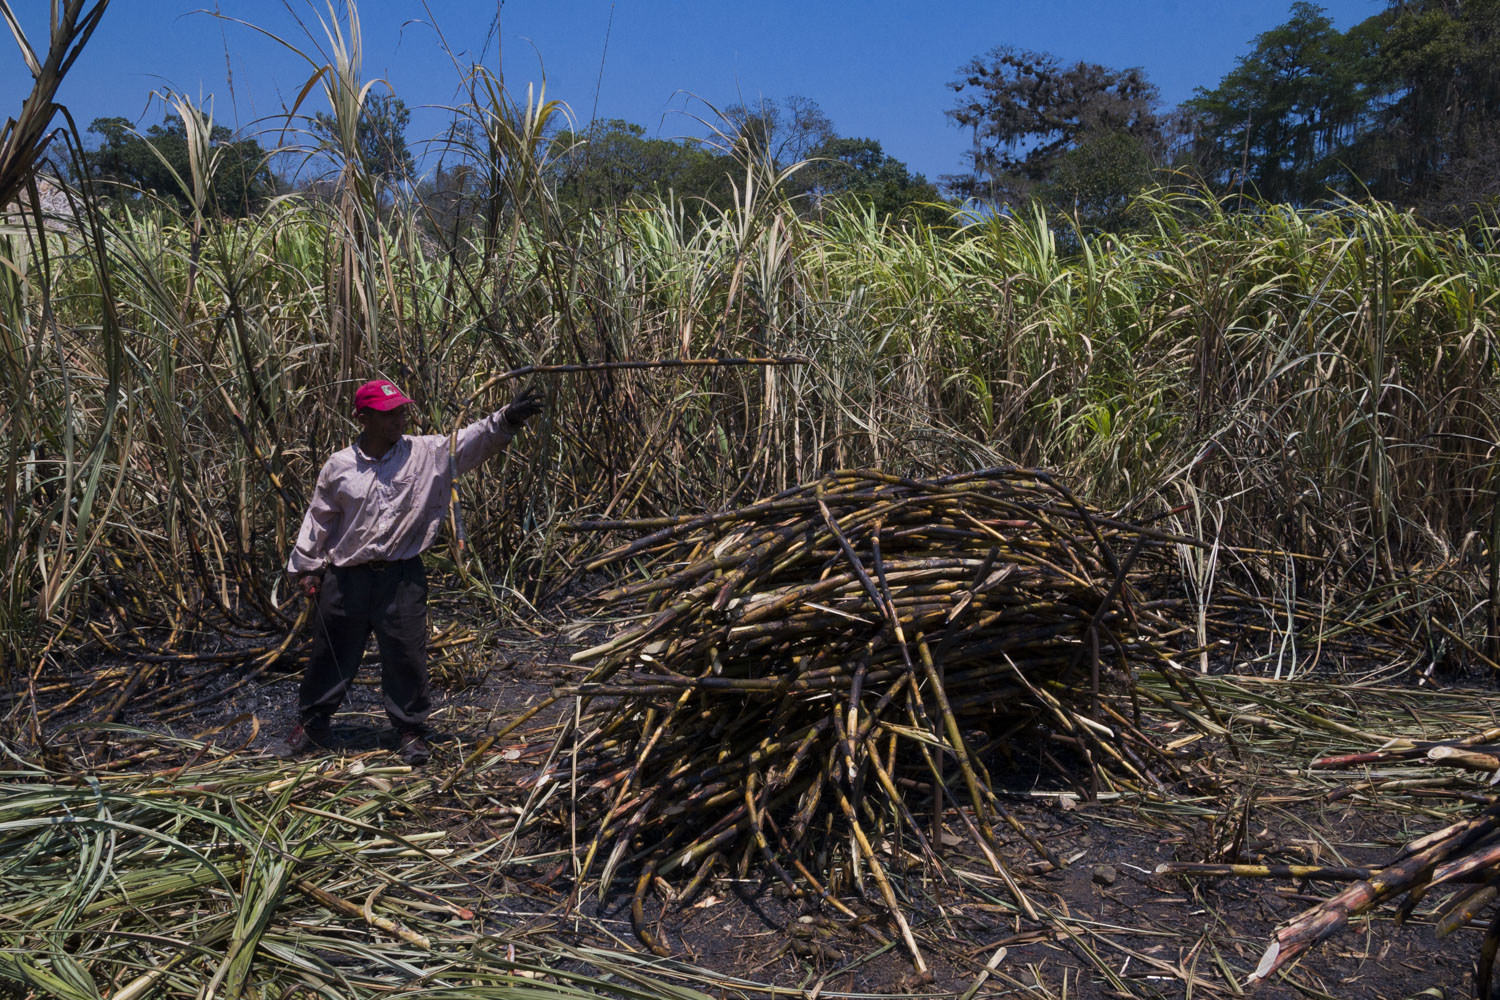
1436	140
1404	105
160	162
613	162
1354	350
1097	180
1330	376
860	169
237	887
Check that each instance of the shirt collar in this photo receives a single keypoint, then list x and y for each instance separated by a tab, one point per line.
365	456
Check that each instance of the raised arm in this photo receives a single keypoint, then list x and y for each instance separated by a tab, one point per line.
483	439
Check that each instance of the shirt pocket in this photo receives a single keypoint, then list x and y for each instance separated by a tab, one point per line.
399	495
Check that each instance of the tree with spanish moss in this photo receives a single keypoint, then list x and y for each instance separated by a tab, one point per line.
783	131
1028	110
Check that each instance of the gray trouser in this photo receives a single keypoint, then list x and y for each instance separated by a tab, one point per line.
389	599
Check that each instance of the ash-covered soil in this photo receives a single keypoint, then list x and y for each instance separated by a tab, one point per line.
1108	926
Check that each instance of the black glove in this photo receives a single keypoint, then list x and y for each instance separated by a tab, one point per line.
527	404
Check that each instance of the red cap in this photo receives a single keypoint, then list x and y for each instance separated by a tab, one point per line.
378	395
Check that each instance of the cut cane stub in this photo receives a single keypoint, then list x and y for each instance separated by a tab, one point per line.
1469	760
1267	961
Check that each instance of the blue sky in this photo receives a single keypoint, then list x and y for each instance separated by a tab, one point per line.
877	68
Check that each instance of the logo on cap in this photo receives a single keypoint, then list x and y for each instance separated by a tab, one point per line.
388	389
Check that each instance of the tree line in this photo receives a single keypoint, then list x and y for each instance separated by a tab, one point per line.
607	162
1402	106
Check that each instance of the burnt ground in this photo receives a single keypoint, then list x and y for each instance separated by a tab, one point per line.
1111	927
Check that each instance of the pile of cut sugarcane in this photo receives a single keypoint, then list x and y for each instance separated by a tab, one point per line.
818	680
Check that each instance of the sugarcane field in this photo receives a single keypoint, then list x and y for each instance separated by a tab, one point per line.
571	558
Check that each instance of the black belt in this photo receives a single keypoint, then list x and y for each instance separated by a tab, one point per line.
379	565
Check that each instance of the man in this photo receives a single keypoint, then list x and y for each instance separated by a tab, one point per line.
377	505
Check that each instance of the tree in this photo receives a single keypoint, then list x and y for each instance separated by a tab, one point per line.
125	157
1027	110
1096	180
380	136
841	168
784	132
614	161
1283	121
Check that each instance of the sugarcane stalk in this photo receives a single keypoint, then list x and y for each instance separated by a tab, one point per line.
603	366
1410	750
1460	911
1321	921
760	838
638	915
882	775
1484	973
628	783
1317	873
341	905
956	742
1468	760
877	871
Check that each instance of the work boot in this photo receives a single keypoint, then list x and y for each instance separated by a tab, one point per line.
310	734
412	748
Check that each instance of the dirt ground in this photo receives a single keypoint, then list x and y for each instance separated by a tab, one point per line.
1111	927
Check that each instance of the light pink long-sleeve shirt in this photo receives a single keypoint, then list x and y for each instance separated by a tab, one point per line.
391	507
